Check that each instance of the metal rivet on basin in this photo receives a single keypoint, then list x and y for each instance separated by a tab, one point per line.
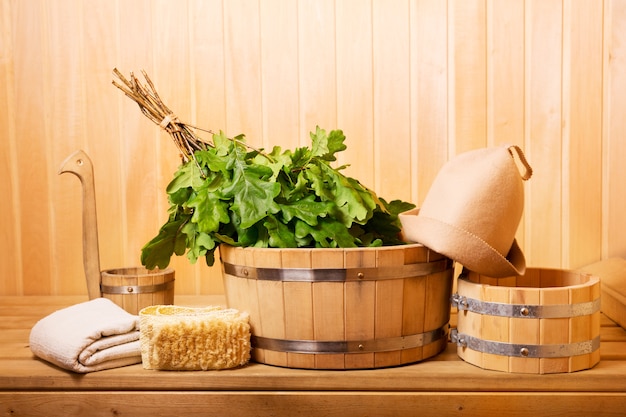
524	311
524	351
129	289
360	275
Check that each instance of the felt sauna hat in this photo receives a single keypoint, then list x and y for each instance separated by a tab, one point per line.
472	211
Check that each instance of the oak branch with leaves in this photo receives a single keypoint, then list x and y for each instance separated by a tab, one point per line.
226	192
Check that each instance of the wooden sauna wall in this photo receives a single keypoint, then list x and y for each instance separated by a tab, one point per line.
411	82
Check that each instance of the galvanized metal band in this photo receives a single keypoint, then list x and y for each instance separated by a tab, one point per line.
524	350
525	311
356	346
338	274
136	289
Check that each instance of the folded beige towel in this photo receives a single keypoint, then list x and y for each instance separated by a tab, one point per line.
87	337
194	338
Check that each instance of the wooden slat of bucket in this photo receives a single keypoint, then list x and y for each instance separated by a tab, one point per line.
148	299
551	278
328	308
495	328
437	307
531	279
580	327
594	358
271	302
272	318
250	286
470	323
414	302
131	300
242	295
388	321
113	280
129	277
389	297
360	307
298	300
524	331
328	321
413	314
554	331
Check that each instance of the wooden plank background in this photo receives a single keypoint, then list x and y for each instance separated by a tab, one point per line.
411	82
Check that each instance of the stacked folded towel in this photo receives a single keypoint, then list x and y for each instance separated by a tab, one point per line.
87	337
188	338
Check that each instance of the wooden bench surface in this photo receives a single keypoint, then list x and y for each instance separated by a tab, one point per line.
441	386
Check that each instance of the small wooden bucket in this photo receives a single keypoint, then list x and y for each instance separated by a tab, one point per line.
546	321
341	308
137	287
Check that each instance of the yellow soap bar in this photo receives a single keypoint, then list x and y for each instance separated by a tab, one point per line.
193	338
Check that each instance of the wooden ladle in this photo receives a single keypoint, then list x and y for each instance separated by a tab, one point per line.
80	165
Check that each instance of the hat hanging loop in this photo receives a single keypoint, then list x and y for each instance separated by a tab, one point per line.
529	171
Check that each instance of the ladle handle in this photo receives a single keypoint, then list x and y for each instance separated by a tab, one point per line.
80	165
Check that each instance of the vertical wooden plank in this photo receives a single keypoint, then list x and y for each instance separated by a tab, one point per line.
151	298
360	304
329	308
496	328
595	321
413	315
505	78
242	61
415	302
250	287
543	244
272	314
554	331
317	83
298	301
469	74
429	90
388	322
469	323
614	170
532	278
206	56
392	116
173	75
437	307
65	132
142	198
279	75
354	87
98	114
505	72
32	146
131	301
114	280
580	327
9	182
583	118
328	321
524	331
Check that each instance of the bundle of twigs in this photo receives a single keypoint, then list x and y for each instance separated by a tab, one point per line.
154	109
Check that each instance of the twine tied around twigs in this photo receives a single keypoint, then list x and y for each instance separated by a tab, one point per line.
154	109
151	105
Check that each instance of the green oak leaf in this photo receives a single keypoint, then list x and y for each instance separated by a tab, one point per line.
158	251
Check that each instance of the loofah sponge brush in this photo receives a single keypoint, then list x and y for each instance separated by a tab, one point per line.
192	338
